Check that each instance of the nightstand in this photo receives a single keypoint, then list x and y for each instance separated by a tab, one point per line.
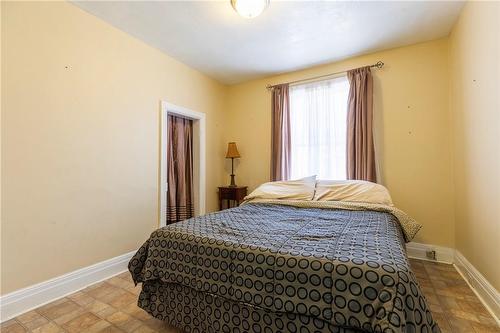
230	194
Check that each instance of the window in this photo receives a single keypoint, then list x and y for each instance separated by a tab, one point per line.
318	117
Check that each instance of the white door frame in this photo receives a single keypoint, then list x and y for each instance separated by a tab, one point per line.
199	134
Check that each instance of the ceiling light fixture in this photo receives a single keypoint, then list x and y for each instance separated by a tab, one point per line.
249	8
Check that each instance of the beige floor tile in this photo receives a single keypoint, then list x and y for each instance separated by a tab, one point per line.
106	313
69	316
427	290
136	312
101	291
109	297
155	323
475	307
48	328
448	292
442	321
472	298
94	286
28	316
417	265
81	298
13	327
469	316
436	308
424	282
124	321
8	323
96	306
438	284
459	325
126	276
35	323
144	329
452	275
58	309
480	328
487	321
82	322
421	273
130	326
432	299
58	301
97	327
118	318
465	291
119	282
111	329
123	300
448	303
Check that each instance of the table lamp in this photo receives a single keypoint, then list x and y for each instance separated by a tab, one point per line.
232	153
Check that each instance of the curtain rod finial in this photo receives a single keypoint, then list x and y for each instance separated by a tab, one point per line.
379	64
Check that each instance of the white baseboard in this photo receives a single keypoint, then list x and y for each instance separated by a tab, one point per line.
26	299
419	250
488	295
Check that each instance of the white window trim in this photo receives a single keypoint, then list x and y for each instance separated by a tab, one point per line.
199	119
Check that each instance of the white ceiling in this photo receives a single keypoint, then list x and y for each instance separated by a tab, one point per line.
211	37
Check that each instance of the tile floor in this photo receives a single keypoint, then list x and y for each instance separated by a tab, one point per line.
110	306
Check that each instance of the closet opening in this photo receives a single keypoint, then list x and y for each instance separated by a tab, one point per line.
182	164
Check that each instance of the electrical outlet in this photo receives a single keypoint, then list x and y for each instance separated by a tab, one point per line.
430	254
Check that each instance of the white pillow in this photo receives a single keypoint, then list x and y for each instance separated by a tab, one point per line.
301	189
352	190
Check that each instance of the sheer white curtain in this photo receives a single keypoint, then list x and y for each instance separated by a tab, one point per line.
318	116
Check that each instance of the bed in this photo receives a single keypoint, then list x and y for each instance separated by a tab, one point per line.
285	265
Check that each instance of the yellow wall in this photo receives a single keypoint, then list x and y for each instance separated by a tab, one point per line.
412	115
475	105
80	134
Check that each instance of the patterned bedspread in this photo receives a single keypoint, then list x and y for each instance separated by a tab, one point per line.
345	267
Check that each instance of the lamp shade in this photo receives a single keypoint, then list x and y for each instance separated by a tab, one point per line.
232	150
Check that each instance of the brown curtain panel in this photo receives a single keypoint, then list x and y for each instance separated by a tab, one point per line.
280	133
360	148
180	204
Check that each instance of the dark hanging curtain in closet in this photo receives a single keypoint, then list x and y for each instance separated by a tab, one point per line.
180	204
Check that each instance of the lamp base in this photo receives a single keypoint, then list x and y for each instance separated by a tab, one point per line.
233	184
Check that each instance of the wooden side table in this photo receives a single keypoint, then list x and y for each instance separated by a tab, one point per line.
230	194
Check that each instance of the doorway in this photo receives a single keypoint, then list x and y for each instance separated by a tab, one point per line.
184	119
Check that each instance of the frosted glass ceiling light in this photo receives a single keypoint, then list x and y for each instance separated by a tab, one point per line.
249	8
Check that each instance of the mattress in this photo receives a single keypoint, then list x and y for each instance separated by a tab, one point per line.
345	268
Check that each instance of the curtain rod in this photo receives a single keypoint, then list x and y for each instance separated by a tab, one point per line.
378	65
